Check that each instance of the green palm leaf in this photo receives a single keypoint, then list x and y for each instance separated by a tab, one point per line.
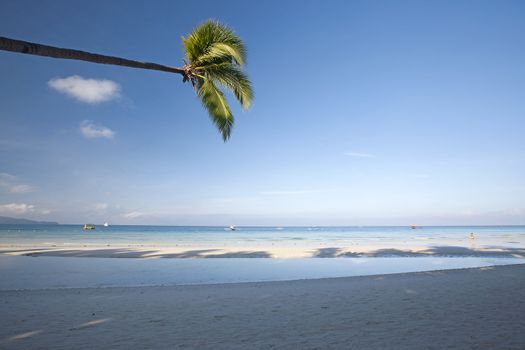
212	38
220	52
213	100
231	77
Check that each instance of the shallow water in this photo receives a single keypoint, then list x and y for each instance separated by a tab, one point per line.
64	235
21	272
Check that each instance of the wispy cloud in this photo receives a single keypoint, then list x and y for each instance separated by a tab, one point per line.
16	208
12	184
359	155
21	189
5	177
101	206
86	90
134	214
92	131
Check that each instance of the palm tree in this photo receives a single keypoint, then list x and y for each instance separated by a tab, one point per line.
215	56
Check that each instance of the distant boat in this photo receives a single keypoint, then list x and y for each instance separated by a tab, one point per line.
232	228
89	227
106	224
413	227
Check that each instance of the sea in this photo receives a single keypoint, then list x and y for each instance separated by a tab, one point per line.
28	272
503	236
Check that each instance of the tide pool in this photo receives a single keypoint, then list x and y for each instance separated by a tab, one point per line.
21	272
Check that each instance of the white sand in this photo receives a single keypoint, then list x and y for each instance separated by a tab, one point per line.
456	309
459	248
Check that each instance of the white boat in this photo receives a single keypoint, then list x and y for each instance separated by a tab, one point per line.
232	228
106	224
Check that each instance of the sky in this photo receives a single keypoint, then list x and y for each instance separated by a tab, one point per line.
365	113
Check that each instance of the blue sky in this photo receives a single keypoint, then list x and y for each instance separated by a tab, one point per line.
366	113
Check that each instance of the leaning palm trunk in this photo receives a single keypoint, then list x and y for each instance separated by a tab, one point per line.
29	48
214	59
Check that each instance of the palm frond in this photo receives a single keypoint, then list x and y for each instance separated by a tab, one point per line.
231	77
222	52
213	100
212	39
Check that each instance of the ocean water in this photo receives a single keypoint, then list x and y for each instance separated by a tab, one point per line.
63	235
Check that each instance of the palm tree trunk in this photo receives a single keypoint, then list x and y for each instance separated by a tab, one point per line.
19	46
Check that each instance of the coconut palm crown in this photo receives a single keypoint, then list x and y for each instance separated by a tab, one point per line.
215	56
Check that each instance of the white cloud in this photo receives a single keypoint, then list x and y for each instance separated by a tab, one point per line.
11	184
16	208
86	90
134	215
92	131
359	155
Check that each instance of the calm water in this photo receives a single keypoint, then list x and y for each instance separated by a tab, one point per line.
22	272
172	235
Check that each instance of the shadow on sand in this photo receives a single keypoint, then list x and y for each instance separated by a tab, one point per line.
131	253
442	251
439	251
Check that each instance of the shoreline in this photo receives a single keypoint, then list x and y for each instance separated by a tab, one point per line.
475	308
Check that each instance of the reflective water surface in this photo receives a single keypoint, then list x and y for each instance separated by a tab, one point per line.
22	272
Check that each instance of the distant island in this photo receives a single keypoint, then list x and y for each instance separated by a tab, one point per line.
16	221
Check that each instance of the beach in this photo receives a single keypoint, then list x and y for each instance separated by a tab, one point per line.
262	251
262	242
257	288
478	308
